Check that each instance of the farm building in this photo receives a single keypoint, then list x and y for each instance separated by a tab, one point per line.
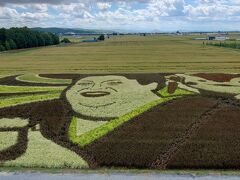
90	40
200	39
218	38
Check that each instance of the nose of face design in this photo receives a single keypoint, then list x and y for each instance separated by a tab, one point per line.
93	94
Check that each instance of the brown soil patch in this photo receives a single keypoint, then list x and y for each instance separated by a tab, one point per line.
218	77
163	161
216	144
143	79
141	141
216	94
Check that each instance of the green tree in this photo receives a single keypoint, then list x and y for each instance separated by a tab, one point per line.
18	38
101	37
12	44
40	38
55	39
48	39
7	46
2	35
65	40
2	48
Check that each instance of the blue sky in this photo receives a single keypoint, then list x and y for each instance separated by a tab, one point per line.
131	15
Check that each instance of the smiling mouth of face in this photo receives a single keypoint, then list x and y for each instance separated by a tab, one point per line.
97	106
95	94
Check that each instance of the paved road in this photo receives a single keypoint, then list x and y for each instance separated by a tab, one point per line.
41	176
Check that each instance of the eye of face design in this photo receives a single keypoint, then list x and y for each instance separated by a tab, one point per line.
112	82
85	83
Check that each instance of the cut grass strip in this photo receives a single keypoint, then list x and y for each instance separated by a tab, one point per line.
20	89
24	99
35	78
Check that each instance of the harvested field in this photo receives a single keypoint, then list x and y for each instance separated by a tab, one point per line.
153	121
124	54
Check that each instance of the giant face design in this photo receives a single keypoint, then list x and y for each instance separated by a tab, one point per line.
108	96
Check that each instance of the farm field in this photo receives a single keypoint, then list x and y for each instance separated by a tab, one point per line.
78	39
124	54
131	102
137	121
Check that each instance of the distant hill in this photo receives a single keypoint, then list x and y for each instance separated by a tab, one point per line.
69	31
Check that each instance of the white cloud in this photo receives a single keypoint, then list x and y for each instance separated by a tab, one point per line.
8	13
151	14
103	6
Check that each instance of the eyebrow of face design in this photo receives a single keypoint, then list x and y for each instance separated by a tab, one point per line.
84	81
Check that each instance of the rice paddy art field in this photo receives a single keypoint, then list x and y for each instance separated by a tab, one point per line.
155	102
150	121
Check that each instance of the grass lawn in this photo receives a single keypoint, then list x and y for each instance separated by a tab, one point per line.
129	54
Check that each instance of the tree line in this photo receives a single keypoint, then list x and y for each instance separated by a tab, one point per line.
19	38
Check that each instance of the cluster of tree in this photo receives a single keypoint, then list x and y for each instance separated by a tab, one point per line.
65	40
101	37
18	38
234	45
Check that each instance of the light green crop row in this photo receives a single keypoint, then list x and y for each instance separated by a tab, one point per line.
24	99
7	139
90	136
21	89
13	123
35	78
43	153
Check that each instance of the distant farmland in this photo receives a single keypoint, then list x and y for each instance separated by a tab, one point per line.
125	54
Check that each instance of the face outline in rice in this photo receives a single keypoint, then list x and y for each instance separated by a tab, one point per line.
108	96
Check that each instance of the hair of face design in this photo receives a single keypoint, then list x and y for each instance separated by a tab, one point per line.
108	96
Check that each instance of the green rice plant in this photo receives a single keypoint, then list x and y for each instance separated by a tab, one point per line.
123	96
13	123
94	134
24	99
43	153
35	78
21	89
8	139
84	126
